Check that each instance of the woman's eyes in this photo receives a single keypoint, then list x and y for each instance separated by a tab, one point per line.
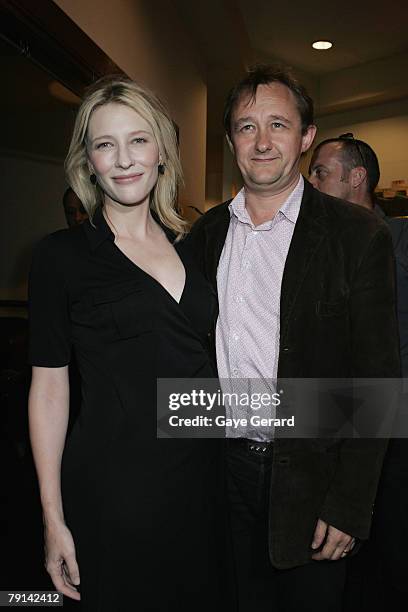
109	145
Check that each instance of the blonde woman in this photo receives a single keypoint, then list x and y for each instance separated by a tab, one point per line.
131	522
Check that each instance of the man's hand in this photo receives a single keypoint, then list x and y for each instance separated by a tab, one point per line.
337	544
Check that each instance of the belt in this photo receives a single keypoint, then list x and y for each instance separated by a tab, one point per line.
261	449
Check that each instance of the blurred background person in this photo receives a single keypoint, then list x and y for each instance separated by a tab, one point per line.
74	211
348	168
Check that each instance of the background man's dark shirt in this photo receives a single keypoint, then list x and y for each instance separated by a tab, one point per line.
399	232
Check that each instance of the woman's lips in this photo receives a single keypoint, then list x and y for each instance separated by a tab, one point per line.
128	178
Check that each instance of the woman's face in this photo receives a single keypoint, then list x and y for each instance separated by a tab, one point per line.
123	153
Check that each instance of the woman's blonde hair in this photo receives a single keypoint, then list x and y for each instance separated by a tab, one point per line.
121	90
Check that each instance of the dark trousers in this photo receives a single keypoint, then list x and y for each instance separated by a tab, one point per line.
317	586
389	536
377	576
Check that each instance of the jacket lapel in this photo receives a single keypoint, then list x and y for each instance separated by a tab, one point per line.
310	230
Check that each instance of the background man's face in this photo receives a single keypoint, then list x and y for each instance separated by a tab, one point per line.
75	213
327	173
267	138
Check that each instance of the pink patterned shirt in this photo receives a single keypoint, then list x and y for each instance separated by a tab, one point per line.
249	279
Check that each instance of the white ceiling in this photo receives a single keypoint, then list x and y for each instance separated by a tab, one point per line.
366	66
361	31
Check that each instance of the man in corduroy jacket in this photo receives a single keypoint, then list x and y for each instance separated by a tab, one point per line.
305	288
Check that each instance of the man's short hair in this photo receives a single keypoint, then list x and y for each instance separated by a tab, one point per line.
265	75
354	153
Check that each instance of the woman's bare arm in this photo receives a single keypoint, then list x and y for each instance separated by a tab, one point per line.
48	409
48	416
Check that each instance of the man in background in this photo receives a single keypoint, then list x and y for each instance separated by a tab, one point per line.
348	168
75	213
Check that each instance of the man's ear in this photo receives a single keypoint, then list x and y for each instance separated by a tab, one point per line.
357	176
308	138
231	146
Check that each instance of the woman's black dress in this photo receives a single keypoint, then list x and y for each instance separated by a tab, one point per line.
146	514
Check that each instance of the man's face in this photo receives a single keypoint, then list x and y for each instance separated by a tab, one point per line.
327	173
267	139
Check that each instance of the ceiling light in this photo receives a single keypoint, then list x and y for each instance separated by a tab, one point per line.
322	45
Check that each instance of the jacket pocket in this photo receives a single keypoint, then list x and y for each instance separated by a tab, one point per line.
331	309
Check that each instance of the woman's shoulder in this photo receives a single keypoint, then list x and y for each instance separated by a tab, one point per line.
61	239
61	244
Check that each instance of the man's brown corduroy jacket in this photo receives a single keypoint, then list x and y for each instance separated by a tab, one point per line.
337	320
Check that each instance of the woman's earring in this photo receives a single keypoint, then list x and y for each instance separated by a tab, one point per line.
161	168
92	178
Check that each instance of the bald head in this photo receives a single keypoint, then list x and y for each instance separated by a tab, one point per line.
346	169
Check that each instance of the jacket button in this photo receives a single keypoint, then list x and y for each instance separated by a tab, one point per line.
285	349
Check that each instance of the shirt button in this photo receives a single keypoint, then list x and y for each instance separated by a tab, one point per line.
236	337
235	372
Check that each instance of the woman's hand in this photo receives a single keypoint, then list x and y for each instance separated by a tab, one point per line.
60	560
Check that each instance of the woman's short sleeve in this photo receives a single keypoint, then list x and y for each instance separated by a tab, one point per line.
50	328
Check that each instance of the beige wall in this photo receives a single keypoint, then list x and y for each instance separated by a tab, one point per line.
363	85
148	42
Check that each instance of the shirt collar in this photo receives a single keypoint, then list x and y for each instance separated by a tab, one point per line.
289	209
379	211
99	230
